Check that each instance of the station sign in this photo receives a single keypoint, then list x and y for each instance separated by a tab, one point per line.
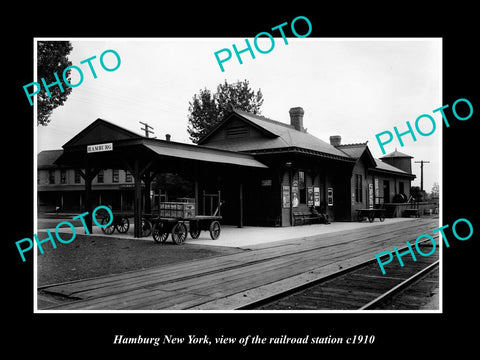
267	182
99	148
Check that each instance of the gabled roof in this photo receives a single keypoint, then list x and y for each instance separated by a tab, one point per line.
98	130
356	151
279	136
383	166
353	150
46	158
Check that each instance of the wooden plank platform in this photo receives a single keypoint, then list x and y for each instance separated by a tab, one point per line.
232	281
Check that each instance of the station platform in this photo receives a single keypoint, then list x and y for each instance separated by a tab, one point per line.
250	236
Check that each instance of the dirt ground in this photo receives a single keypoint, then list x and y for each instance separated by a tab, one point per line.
87	257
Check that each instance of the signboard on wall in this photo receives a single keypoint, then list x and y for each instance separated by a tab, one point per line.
377	191
295	179
330	196
316	196
286	196
267	182
99	148
310	196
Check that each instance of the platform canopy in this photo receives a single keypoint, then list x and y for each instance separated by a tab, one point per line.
103	144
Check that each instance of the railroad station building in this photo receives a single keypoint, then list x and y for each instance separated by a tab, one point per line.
268	173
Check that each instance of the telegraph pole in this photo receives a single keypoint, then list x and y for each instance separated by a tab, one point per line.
146	128
421	162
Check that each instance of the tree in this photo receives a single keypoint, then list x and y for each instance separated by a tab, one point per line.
204	114
174	185
52	58
417	194
206	109
435	191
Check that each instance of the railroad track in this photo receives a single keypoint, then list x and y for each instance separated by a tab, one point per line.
365	288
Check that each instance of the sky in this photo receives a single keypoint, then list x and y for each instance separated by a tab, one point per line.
355	88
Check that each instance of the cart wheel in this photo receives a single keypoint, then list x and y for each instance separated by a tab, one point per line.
371	217
382	217
214	230
194	229
179	233
158	233
123	225
146	228
110	228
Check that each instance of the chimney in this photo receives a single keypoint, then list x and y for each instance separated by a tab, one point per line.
296	118
335	140
167	137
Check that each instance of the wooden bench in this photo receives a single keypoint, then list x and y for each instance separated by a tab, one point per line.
306	217
371	214
410	212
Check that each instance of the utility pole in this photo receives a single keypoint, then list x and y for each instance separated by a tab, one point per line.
146	129
421	162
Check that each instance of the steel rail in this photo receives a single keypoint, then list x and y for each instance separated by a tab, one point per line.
399	287
295	289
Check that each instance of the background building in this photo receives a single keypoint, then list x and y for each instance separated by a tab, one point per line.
61	188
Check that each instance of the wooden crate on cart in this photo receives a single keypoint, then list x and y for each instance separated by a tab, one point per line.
180	210
179	218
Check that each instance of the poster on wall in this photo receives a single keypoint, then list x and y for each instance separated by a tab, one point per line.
377	192
295	196
286	196
310	196
316	196
330	196
370	195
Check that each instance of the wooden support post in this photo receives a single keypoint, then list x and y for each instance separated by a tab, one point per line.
203	202
219	203
240	224
290	179
88	198
148	203
88	176
137	201
196	196
148	176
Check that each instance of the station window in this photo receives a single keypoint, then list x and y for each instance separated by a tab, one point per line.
51	176
401	187
100	176
63	176
299	190
358	188
128	176
301	187
77	176
115	175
